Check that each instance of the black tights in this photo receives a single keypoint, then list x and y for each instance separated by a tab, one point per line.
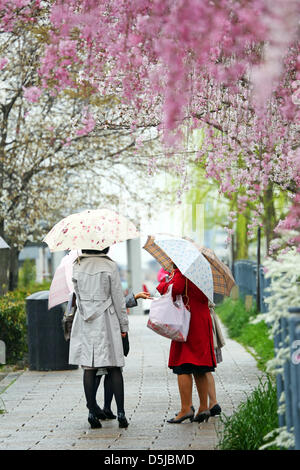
113	386
108	392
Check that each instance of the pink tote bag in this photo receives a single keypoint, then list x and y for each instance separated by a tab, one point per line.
168	318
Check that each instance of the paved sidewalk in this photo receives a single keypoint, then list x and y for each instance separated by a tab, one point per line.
46	410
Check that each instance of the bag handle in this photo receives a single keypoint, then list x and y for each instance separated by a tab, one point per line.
185	295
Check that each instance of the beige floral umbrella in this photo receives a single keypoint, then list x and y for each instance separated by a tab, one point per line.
90	229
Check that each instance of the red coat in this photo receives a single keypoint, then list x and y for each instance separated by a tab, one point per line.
199	348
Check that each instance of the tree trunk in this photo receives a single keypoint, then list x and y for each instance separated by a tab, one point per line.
269	216
14	268
2	228
258	270
242	242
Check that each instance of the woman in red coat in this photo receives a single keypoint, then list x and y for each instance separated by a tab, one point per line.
196	356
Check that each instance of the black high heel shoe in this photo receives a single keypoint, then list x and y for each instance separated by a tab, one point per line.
203	416
123	423
215	410
192	408
94	421
189	416
108	414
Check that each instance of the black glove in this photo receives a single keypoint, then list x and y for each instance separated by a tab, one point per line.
125	344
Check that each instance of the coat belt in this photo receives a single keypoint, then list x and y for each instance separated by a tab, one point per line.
101	309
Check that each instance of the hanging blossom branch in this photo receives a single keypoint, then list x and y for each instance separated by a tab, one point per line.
171	58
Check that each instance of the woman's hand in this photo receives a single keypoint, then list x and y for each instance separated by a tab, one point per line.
124	334
142	295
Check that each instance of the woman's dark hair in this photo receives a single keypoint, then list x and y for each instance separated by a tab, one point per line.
96	252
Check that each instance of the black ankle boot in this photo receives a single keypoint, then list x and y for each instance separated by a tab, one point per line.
94	421
108	414
123	423
100	414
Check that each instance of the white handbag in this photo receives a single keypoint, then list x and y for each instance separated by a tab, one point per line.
168	318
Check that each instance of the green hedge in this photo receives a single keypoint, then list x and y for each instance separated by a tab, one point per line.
13	329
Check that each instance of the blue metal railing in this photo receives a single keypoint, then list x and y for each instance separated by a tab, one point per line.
288	336
293	405
245	274
288	382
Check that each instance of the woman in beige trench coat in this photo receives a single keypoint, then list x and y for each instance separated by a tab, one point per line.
100	321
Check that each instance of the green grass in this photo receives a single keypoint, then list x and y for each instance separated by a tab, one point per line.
254	337
253	420
257	415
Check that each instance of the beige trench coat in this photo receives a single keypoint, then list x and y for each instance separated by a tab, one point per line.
101	313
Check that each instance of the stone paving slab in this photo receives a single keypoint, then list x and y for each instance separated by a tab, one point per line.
46	410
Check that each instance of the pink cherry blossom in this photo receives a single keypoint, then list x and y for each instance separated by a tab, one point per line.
32	94
3	62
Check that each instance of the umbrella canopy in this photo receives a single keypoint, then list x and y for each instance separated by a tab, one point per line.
222	276
159	254
90	229
186	257
61	286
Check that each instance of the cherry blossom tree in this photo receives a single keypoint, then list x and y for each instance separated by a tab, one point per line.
228	65
227	59
55	158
